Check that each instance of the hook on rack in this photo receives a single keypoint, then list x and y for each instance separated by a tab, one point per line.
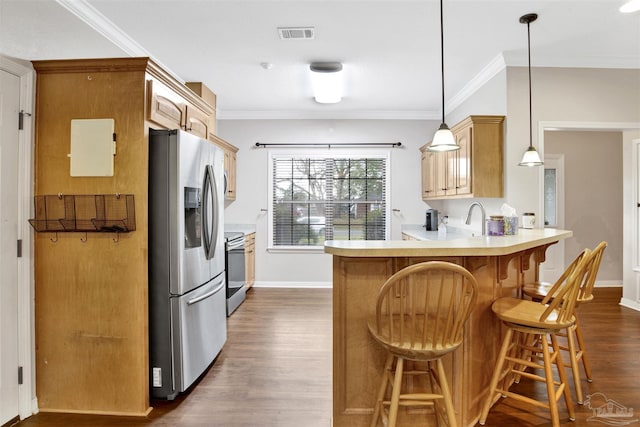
117	238
51	238
86	237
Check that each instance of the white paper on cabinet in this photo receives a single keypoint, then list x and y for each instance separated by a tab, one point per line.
92	147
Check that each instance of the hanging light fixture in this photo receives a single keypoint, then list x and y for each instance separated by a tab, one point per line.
443	140
531	156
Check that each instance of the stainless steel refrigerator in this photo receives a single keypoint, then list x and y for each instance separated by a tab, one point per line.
187	304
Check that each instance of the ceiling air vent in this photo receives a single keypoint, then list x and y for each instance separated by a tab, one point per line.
296	33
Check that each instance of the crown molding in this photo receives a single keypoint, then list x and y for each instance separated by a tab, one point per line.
513	59
325	115
490	70
92	17
101	24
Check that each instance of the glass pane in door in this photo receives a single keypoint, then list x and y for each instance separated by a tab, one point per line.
550	198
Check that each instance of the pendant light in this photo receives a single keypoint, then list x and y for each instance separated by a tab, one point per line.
443	140
531	156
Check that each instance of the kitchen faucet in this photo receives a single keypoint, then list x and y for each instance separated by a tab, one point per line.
484	216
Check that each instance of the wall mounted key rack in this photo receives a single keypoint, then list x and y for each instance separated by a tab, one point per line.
101	213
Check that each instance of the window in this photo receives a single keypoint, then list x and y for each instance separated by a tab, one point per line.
318	198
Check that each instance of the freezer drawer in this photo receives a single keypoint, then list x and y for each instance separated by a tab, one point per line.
197	333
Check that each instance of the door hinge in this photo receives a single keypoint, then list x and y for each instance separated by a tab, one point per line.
19	248
21	115
19	375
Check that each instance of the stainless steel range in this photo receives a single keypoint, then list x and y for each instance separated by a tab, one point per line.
235	266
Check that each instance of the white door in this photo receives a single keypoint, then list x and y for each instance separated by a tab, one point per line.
553	217
9	107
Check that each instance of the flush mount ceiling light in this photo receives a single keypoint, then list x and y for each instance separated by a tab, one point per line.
326	78
531	156
443	140
630	6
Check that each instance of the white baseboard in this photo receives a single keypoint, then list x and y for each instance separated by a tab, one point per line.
626	302
608	284
307	285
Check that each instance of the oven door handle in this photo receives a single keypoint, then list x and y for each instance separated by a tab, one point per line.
235	245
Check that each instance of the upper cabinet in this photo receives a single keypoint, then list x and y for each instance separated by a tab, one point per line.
172	110
229	165
476	170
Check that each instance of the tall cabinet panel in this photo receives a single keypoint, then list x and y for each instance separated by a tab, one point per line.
91	307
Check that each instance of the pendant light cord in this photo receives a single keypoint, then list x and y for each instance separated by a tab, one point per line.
442	55
530	108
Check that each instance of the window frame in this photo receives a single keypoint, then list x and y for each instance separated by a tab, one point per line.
333	154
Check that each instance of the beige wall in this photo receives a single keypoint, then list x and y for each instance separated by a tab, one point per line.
593	194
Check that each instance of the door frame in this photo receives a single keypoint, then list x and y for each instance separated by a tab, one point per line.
630	131
27	400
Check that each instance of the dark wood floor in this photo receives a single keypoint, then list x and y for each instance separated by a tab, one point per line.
275	370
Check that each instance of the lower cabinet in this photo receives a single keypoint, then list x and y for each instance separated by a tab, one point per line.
250	259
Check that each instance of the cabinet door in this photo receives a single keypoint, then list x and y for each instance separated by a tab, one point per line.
230	174
428	170
250	259
451	172
196	122
164	107
464	161
441	174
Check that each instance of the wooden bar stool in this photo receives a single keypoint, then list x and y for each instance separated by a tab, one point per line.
530	325
420	315
544	292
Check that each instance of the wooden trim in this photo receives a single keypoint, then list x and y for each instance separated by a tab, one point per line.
110	65
156	71
222	143
122	65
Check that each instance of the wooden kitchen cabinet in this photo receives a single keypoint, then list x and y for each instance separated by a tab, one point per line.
428	170
172	110
250	259
91	292
210	98
230	153
439	174
475	170
196	122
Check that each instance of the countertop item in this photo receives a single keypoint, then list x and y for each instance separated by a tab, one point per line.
463	246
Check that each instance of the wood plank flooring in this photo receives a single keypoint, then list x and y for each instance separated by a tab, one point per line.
275	370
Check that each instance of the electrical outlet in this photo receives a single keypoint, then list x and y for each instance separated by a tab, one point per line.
157	377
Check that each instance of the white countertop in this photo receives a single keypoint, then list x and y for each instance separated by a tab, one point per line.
463	246
244	228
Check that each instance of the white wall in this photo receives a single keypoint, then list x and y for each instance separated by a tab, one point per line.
313	269
593	195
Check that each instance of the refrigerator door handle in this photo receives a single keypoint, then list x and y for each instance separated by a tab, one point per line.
209	190
205	296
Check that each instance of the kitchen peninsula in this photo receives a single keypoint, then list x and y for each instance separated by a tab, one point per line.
501	264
